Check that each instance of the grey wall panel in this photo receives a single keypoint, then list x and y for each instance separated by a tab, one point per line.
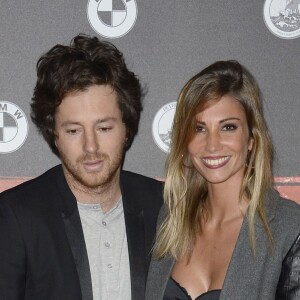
170	41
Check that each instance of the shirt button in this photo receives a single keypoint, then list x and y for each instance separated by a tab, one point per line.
104	223
107	244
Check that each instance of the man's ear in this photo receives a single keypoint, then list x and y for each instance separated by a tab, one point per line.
55	139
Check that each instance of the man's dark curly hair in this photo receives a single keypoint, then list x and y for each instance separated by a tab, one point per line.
85	62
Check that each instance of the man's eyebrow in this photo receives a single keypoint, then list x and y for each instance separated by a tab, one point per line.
99	121
68	123
106	120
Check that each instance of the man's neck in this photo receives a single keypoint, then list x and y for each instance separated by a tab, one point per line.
107	195
106	198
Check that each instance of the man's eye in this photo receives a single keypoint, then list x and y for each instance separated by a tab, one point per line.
105	129
229	127
72	131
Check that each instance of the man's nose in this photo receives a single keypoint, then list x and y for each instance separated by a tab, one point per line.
91	142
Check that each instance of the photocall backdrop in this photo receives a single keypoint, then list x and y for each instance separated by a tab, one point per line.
165	43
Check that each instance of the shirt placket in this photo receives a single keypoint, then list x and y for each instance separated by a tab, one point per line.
109	266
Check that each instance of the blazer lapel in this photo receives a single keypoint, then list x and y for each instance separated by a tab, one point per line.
159	274
75	237
76	240
244	272
136	249
135	232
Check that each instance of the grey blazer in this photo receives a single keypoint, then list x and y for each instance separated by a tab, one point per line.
247	277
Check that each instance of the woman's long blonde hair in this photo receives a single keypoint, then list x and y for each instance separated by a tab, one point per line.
185	190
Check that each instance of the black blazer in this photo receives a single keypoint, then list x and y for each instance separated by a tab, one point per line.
42	249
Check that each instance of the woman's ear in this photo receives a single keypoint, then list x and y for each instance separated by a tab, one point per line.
250	145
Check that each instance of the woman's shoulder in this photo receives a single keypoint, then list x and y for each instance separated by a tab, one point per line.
288	209
163	213
287	218
281	207
284	219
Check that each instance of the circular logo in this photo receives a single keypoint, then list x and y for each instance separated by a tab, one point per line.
13	127
111	18
283	18
162	126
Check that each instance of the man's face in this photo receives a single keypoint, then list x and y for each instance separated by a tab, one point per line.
90	137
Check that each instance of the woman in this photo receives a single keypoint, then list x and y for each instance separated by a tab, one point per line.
224	232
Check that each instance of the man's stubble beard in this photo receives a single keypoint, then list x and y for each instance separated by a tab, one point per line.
81	179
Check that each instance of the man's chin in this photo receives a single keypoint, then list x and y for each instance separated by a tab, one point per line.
93	183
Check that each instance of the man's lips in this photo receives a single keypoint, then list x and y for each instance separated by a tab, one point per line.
93	165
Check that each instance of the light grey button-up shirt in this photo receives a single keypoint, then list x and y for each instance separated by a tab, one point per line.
107	249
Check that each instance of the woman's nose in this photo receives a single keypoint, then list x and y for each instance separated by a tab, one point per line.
213	141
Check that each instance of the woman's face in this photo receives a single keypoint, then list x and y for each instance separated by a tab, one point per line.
221	142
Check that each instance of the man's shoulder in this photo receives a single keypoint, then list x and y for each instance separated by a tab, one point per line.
141	191
136	178
37	185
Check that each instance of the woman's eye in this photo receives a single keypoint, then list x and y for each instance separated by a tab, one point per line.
200	128
230	127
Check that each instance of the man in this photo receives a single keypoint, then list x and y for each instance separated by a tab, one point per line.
84	229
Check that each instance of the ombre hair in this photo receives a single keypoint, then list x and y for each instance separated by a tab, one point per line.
186	190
